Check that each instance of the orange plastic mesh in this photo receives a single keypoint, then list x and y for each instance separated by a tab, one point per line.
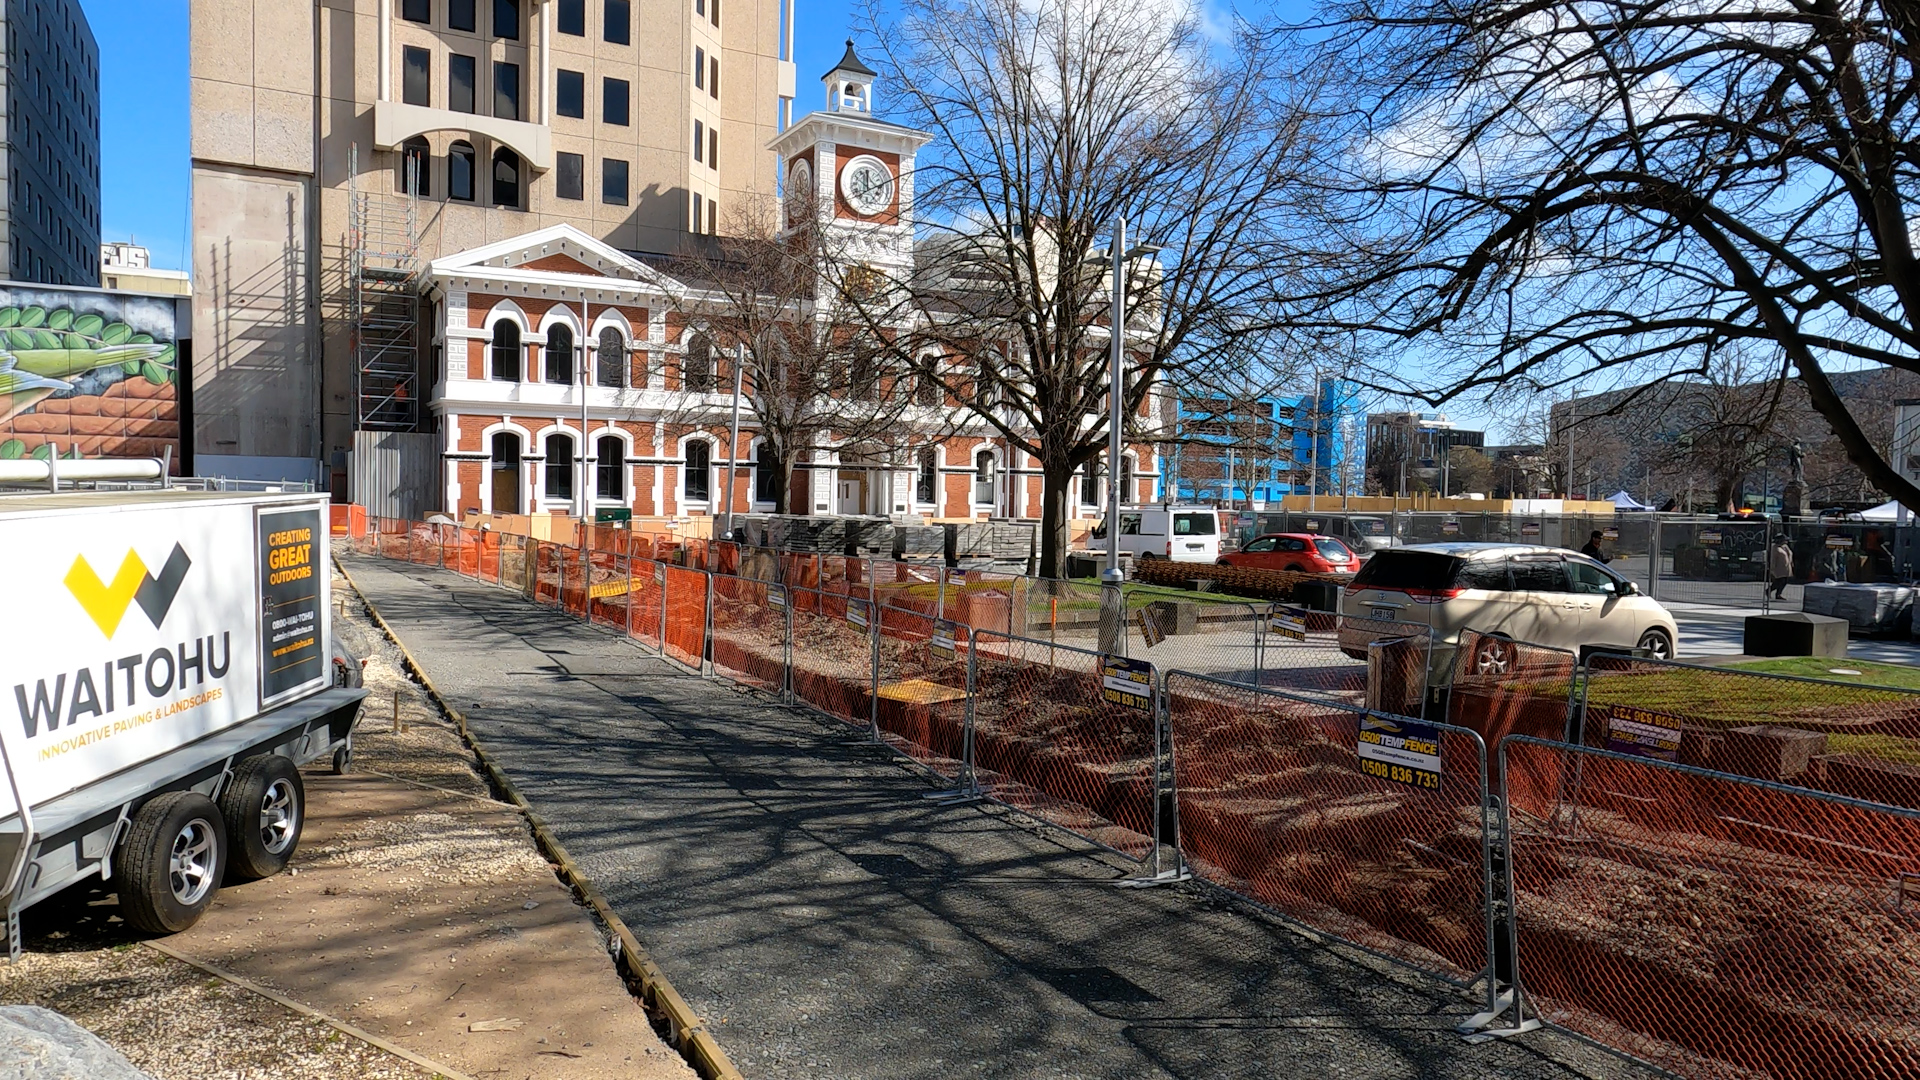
1714	925
646	603
1273	804
921	698
832	659
686	601
1047	742
749	634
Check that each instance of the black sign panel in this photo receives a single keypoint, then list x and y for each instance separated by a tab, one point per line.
293	651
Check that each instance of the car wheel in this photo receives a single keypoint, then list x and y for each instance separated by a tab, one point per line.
171	862
1657	643
1495	656
1221	562
1149	556
265	807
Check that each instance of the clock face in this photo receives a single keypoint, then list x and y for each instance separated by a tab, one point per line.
867	185
799	189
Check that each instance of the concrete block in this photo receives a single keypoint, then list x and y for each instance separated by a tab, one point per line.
1772	751
1794	633
1176	616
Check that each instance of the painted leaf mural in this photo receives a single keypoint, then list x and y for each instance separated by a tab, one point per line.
85	374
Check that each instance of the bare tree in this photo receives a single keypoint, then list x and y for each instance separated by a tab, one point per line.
1054	120
1544	190
814	375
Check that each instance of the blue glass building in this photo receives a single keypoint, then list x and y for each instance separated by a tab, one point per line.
1267	443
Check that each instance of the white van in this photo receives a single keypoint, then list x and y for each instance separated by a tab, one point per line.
1166	531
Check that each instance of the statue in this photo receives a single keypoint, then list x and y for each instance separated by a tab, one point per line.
1796	457
1793	496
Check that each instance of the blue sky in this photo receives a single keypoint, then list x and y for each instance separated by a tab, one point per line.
144	172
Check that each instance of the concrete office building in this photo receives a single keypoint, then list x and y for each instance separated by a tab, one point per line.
640	125
50	211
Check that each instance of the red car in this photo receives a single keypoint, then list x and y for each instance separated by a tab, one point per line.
1300	552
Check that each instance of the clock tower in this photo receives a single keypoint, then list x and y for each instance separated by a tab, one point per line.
851	172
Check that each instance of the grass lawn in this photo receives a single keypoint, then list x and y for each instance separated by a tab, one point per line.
1821	667
1722	697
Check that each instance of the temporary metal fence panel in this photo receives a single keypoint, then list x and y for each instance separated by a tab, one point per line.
1712	562
1047	742
646	603
922	692
1063	612
750	642
1278	800
1716	925
832	657
685	637
546	573
1847	738
910	586
1179	630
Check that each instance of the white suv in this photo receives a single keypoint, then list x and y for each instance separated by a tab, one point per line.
1516	592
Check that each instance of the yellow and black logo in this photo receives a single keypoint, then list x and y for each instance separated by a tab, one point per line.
106	603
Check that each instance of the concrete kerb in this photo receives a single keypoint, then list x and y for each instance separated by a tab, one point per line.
684	1030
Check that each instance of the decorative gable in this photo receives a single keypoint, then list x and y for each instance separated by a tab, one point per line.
560	264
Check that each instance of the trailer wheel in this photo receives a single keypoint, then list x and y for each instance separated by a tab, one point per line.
170	862
343	758
265	807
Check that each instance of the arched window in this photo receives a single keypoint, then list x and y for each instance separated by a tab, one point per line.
610	469
613	358
926	390
1090	484
928	489
460	171
415	157
506	178
1127	492
863	380
506	350
699	470
766	474
696	371
560	467
983	478
559	354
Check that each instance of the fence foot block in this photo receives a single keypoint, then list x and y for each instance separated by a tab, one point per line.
1479	1028
1148	881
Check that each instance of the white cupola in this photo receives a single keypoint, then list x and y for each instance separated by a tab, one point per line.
850	85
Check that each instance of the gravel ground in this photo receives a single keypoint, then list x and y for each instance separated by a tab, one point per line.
179	1023
826	920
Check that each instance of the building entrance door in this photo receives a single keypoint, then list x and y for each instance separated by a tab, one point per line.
853	489
503	472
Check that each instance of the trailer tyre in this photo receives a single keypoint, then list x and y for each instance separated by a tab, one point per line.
171	862
264	808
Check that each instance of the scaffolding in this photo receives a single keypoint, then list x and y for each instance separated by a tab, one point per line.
383	244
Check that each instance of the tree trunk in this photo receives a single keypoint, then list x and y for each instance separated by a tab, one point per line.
783	495
1056	483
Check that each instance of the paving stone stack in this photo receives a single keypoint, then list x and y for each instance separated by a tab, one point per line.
868	538
918	543
1003	546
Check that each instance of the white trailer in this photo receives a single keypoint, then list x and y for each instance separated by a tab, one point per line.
165	666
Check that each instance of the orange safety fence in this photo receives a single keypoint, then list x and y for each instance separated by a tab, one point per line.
921	695
646	605
1847	738
607	588
1715	925
911	587
546	573
1363	825
749	632
1047	742
832	667
686	635
799	570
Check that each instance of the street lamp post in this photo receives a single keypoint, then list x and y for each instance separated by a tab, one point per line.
733	438
585	500
1116	368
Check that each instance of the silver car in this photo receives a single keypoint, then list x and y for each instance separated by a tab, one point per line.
1508	592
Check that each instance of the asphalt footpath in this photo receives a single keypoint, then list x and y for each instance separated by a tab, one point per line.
827	921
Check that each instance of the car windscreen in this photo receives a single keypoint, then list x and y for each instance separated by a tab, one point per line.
1331	548
1402	569
1193	524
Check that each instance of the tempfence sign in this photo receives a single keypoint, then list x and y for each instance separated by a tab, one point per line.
1288	622
942	639
1401	750
1128	682
859	614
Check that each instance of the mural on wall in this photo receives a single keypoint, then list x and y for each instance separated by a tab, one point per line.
87	375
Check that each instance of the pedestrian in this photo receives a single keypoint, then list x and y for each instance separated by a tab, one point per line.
1780	567
1592	550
